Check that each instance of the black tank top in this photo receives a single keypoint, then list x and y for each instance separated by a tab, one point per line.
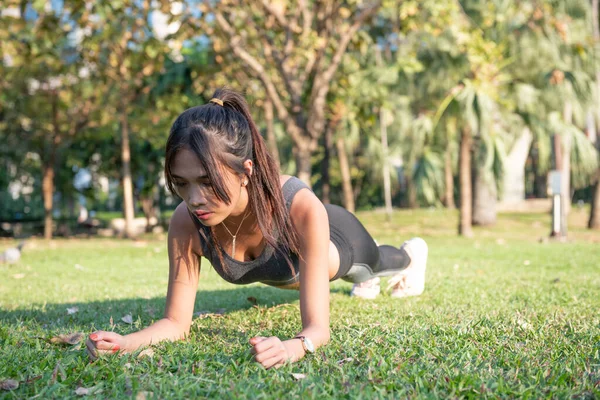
270	267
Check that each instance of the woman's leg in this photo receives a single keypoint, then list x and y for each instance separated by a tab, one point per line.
360	257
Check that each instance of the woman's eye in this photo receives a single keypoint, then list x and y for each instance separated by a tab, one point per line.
179	184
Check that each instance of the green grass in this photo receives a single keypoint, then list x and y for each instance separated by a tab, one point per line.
503	315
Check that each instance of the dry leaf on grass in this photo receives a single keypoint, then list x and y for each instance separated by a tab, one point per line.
72	310
298	376
8	384
207	314
71	338
345	360
58	369
82	391
142	395
146	353
128	319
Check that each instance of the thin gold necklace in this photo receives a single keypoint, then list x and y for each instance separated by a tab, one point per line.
236	232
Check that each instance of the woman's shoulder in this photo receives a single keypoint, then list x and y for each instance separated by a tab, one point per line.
284	178
304	202
183	229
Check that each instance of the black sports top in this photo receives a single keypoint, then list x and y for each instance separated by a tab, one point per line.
270	267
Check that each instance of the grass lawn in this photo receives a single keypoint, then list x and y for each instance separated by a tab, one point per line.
503	315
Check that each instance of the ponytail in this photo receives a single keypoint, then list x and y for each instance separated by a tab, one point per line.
264	189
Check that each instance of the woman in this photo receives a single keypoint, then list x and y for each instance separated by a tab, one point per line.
257	226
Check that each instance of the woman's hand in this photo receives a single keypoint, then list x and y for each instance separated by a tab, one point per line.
269	352
102	342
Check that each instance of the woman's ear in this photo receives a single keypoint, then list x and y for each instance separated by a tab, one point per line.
248	167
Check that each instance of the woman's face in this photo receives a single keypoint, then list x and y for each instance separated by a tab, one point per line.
192	185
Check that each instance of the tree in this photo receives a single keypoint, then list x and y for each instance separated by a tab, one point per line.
49	97
128	54
294	49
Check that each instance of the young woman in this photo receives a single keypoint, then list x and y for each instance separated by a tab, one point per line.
254	225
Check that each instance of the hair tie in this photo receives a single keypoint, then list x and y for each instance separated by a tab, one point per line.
217	101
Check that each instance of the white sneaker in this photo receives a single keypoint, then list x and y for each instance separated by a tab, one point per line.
411	280
367	289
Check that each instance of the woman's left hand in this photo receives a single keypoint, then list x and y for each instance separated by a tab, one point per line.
269	352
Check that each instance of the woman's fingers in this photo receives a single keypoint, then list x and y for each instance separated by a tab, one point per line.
104	345
276	362
264	344
106	336
266	355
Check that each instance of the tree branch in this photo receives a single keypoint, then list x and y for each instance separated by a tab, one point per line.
320	87
235	43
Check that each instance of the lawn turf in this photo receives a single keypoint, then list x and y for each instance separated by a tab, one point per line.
505	314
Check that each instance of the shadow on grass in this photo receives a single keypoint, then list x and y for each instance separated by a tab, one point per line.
98	314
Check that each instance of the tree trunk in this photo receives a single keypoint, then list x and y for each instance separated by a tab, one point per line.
387	187
465	225
565	166
48	193
514	169
271	139
484	201
594	220
449	181
128	209
325	165
345	171
303	164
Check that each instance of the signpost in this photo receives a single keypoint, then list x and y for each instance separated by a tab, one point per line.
559	226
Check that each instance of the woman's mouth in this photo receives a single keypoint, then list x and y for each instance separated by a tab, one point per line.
203	214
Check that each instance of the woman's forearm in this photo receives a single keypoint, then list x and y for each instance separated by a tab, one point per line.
163	329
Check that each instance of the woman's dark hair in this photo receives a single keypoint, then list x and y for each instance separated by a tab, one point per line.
226	135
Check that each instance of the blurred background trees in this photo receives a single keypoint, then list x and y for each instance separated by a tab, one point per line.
409	103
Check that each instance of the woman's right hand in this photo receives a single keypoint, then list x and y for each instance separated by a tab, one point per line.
103	342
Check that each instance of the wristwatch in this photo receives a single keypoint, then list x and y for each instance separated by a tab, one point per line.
307	344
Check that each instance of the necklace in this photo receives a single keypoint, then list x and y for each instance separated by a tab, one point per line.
236	232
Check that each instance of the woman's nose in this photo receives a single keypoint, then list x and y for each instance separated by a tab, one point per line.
196	198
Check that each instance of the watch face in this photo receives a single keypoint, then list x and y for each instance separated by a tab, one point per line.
309	345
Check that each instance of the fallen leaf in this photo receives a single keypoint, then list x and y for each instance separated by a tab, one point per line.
72	310
345	360
9	384
72	338
141	396
252	300
146	353
207	314
81	391
555	280
18	276
128	319
298	376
